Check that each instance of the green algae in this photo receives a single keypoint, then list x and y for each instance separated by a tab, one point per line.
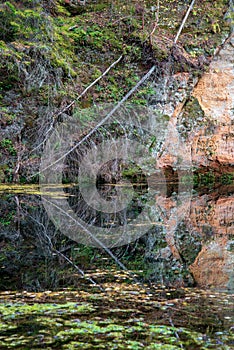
67	321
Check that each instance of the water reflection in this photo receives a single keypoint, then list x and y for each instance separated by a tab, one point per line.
212	215
211	218
203	240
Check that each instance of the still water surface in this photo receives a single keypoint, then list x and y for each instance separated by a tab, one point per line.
197	229
188	235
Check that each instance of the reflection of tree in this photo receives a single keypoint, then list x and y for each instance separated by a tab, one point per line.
34	255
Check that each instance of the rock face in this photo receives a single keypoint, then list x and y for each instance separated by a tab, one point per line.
215	90
215	149
205	125
215	94
205	121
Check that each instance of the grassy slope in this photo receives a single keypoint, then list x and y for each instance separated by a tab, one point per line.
51	51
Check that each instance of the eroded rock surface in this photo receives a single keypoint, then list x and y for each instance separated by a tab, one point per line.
215	93
204	122
215	90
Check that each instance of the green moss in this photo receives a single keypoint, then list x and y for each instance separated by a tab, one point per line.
193	117
7	145
74	325
210	179
72	40
8	218
193	109
227	179
72	45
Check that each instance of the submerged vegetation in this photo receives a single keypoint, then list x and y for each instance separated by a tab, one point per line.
124	316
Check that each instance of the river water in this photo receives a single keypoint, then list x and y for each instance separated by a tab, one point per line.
191	232
177	287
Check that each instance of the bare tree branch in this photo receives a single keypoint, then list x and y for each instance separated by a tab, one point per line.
89	87
100	244
55	116
81	272
183	22
57	252
103	121
155	24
